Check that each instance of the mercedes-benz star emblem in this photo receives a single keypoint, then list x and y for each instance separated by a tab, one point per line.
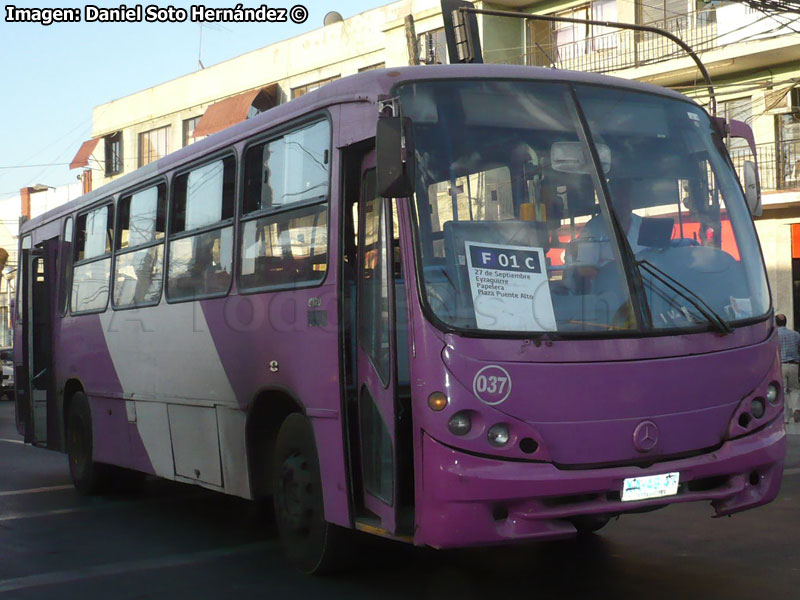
645	436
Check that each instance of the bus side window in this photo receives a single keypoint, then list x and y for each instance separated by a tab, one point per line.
201	243
291	169
92	268
289	249
140	247
284	234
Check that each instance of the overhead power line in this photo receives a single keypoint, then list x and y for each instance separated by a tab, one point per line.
774	6
30	166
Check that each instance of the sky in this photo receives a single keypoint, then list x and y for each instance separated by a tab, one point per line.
53	76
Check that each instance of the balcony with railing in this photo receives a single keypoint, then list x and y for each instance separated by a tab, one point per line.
778	164
604	50
623	49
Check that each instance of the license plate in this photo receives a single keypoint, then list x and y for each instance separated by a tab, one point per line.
652	486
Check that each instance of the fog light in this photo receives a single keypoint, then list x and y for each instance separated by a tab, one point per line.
437	401
772	393
528	445
498	434
757	408
460	424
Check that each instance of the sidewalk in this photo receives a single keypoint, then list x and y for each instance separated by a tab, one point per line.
792	449
792	405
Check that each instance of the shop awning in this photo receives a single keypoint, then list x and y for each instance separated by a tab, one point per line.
234	110
84	152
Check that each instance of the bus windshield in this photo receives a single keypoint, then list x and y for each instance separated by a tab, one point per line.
514	230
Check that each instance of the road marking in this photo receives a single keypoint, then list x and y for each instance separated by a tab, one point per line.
120	568
47	513
54	488
18	516
11	441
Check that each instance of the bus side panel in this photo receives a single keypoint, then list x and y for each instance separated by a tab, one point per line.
167	353
81	353
171	374
251	331
298	330
233	446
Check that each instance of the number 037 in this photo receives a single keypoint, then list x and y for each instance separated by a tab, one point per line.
491	384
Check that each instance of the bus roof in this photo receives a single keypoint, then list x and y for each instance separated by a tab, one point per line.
362	87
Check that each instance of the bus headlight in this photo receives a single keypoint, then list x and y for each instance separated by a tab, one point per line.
772	393
498	435
460	424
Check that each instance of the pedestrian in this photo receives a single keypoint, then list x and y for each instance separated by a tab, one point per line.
789	341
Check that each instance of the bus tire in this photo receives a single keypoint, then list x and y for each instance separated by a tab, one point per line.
88	476
588	524
309	542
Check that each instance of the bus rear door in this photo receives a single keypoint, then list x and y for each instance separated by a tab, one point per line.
37	329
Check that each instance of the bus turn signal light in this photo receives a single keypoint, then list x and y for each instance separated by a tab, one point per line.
437	401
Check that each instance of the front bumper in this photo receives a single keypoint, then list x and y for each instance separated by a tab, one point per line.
471	500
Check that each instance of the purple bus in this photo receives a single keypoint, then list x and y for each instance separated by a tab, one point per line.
452	305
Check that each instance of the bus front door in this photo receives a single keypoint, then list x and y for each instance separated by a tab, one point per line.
37	313
376	361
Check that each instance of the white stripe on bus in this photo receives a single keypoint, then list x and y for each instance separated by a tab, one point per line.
149	564
54	488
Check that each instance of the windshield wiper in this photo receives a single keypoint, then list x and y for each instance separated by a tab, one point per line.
676	286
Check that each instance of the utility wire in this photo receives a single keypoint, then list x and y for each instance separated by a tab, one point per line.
785	23
32	166
773	6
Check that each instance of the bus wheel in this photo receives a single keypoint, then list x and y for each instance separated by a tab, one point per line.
309	542
88	477
586	524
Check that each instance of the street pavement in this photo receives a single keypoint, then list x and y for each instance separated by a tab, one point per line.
176	541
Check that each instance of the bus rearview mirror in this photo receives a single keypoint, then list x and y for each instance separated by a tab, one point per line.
395	157
752	189
571	157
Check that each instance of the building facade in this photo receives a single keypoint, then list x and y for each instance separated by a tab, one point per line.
753	59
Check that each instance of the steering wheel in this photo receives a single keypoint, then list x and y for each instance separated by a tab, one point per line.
682	242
